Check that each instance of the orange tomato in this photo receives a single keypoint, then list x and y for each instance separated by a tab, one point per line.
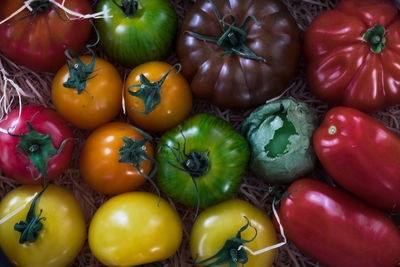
175	103
100	101
99	161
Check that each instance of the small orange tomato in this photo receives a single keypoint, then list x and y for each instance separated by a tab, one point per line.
109	157
175	96
100	100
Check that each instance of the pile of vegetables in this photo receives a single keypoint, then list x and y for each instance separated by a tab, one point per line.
170	175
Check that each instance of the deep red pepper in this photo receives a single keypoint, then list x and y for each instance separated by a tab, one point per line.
337	229
353	54
362	155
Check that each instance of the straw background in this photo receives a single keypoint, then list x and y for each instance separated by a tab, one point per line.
36	89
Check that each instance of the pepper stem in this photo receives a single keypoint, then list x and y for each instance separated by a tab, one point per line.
150	92
375	36
230	252
128	7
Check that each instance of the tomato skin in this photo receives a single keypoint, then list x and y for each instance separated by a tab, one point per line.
63	233
218	223
341	68
175	103
348	233
362	155
228	154
99	165
235	81
130	229
151	31
40	44
101	101
46	121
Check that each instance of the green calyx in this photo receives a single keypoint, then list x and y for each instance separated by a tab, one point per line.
194	163
30	228
79	72
128	7
39	6
375	36
150	92
279	192
280	141
38	148
232	41
230	252
134	152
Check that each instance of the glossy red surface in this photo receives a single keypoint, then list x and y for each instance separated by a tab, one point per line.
341	68
337	229
362	155
46	121
39	43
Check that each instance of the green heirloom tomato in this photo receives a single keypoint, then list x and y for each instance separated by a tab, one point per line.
280	139
137	31
205	151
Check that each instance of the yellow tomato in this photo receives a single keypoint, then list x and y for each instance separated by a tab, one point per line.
130	229
98	103
175	103
63	233
99	161
215	225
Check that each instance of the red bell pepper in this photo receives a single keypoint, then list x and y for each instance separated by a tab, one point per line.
362	155
353	54
337	229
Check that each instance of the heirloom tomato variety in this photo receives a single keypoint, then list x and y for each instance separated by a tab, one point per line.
116	158
134	228
137	31
38	39
204	154
362	155
93	102
353	54
25	154
337	229
63	233
221	222
157	97
238	54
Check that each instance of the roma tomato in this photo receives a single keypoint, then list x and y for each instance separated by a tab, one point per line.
116	158
134	228
253	59
63	233
221	222
46	149
353	54
93	102
159	100
39	40
203	154
336	229
362	155
137	31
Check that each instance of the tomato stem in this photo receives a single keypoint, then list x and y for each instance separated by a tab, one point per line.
375	36
150	92
128	7
39	6
230	252
232	41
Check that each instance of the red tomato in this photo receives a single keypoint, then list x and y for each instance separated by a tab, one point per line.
362	155
336	229
15	163
100	160
353	54
39	42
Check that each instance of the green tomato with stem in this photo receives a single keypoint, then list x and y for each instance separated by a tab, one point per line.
137	31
